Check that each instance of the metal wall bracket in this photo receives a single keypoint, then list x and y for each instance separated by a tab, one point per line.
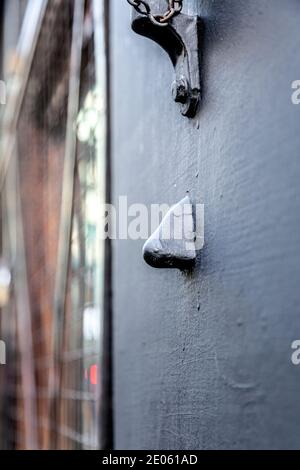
172	245
181	39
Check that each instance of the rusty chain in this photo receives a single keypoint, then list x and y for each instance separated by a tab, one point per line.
143	8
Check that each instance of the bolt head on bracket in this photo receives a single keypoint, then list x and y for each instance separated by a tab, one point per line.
180	90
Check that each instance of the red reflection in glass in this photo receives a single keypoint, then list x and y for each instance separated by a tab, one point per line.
94	374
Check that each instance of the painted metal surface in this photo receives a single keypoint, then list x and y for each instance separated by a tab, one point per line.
203	360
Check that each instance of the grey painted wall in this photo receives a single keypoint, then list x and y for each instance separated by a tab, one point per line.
218	377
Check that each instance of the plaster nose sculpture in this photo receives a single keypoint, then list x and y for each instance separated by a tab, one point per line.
172	245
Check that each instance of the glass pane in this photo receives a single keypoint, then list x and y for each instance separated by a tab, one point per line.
59	406
84	306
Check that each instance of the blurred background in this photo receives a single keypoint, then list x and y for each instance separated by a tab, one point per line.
53	168
102	350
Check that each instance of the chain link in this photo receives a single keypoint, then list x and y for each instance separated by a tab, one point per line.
143	8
